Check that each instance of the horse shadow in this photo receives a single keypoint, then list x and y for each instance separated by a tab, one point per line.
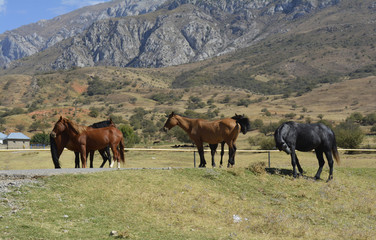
286	172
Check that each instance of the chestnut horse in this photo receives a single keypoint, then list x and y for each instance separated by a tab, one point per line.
84	139
212	132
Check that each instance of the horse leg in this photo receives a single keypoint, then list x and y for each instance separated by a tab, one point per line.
115	154
91	159
77	160
104	157
293	162
328	155
320	157
202	158
298	164
222	153
213	149
231	154
108	154
83	156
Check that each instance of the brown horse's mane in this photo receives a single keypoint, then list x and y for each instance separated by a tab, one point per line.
77	128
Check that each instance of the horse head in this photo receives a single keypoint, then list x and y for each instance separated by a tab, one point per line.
171	122
60	126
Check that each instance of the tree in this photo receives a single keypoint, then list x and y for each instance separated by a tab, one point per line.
40	138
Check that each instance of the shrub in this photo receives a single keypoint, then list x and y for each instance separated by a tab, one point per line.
348	134
130	137
264	142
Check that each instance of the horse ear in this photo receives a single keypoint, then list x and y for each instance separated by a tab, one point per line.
61	118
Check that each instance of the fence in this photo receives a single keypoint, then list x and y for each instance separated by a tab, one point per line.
194	151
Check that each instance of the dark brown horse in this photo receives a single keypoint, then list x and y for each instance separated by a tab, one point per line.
212	132
84	139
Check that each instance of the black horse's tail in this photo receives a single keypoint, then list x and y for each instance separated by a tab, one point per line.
280	141
335	152
54	153
245	124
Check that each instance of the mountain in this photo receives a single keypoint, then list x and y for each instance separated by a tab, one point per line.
269	47
32	38
180	31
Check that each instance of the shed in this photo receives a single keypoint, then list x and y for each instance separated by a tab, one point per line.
17	141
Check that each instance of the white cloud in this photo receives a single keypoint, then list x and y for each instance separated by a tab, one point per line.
2	5
81	3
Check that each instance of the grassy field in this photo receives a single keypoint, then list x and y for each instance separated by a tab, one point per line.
237	203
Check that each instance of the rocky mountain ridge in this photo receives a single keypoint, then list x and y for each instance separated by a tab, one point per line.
171	33
30	39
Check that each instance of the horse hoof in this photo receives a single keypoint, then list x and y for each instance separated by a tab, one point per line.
329	179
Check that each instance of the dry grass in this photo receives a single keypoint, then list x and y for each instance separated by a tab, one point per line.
194	204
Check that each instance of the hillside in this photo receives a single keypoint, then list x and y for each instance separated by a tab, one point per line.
321	62
119	91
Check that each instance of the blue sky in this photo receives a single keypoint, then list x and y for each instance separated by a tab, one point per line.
15	13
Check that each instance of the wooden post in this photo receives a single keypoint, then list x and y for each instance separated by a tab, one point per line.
269	159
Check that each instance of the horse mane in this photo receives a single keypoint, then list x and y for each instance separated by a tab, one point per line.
102	124
245	125
77	128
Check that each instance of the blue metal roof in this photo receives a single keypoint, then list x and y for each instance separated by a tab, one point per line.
17	136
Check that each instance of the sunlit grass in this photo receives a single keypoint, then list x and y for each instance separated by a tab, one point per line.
194	204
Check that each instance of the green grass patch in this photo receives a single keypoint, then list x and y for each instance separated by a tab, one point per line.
193	204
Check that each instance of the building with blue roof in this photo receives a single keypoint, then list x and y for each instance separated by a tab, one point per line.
17	141
2	137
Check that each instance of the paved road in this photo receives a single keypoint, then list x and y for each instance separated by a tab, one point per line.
48	172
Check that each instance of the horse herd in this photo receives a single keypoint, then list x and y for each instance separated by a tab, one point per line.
289	136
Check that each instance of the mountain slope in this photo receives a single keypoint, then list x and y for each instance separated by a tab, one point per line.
32	38
181	31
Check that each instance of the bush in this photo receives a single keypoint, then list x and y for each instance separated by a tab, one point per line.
40	138
264	143
348	135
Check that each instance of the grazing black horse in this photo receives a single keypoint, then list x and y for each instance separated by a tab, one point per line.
291	136
245	127
57	146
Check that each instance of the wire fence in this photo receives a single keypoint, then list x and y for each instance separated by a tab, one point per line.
194	151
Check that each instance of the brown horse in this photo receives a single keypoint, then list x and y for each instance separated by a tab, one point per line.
212	132
84	139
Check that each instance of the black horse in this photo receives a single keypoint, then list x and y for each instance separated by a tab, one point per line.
291	136
245	127
56	148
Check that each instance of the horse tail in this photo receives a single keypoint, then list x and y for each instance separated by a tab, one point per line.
121	150
54	152
279	139
335	152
